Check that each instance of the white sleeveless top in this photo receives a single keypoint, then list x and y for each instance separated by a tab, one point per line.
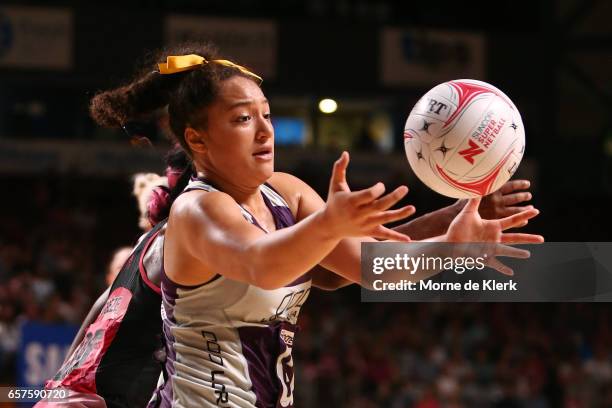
229	343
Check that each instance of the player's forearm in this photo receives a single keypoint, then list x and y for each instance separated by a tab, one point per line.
327	280
345	262
279	258
431	224
426	249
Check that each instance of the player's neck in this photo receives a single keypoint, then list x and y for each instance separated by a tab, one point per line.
245	195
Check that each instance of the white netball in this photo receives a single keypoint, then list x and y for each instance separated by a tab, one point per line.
464	138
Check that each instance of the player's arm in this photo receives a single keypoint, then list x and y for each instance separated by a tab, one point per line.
89	319
345	259
208	233
432	224
502	203
327	280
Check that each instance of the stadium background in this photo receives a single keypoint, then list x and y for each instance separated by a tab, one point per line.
66	189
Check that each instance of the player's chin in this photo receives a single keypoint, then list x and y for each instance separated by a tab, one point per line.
264	168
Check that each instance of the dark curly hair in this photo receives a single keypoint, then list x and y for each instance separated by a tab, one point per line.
186	94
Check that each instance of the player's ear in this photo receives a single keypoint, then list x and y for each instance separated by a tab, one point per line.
195	139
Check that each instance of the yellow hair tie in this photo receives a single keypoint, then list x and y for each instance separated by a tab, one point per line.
181	63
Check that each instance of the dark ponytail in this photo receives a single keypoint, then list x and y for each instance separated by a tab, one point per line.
116	107
185	93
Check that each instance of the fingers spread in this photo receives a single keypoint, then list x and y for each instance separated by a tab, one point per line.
517	219
339	172
507	211
368	195
514	185
390	199
500	267
381	232
472	205
515	198
522	224
516	238
505	250
392	215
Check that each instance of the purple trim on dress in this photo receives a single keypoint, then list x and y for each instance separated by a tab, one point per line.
282	215
261	347
283	218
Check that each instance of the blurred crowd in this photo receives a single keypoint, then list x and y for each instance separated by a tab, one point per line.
56	244
430	355
56	238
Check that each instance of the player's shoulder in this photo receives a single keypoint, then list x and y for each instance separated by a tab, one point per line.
200	203
290	187
285	181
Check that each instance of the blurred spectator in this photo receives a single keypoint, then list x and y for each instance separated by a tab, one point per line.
116	263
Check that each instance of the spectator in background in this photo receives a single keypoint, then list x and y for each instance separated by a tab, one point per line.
117	260
146	185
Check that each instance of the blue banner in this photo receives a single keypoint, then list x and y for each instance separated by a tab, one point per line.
42	350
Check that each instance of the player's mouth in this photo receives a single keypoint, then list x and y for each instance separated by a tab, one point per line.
264	153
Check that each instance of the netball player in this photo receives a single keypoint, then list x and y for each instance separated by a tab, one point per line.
117	356
241	239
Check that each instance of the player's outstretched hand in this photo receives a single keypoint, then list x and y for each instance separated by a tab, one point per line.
362	213
506	201
469	226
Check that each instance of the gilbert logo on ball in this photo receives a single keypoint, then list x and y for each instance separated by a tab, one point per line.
464	138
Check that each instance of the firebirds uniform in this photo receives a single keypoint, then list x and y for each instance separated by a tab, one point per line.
229	343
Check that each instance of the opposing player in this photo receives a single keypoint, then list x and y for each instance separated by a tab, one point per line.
117	356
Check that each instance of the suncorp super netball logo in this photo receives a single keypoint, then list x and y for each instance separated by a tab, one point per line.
6	34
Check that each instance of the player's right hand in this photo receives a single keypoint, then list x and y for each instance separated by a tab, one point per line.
362	213
468	226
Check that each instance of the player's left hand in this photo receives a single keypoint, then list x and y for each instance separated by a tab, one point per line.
505	201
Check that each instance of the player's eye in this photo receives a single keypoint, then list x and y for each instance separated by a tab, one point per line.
243	118
267	116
